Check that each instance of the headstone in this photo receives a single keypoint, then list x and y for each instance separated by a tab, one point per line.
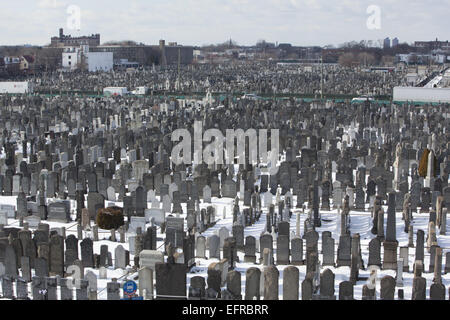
271	275
252	284
387	288
170	281
291	283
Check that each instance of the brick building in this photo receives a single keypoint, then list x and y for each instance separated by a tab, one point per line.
68	41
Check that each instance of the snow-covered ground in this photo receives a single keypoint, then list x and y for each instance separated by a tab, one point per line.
360	223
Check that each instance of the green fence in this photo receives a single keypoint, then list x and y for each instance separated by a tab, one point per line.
382	100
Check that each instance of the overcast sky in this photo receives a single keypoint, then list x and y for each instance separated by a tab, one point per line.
198	22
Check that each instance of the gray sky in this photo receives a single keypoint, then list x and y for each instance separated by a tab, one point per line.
198	22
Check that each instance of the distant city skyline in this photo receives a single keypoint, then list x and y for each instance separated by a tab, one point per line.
200	22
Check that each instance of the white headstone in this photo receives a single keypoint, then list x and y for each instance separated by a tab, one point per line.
136	222
157	215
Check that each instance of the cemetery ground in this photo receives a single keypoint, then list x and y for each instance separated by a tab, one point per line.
93	206
360	223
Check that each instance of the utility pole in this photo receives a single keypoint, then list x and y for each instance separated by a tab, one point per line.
321	77
179	63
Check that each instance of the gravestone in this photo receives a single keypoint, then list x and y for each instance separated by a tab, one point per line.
346	290
113	290
297	251
291	283
170	281
327	285
387	290
327	249
374	252
95	202
119	258
200	249
250	249
283	250
271	275
252	284
56	255
87	253
146	283
214	247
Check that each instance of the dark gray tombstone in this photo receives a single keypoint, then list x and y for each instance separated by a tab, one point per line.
283	252
346	290
250	249
291	283
170	281
297	251
327	249
87	253
271	276
252	284
387	290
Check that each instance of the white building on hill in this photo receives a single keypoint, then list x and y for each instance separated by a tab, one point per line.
74	58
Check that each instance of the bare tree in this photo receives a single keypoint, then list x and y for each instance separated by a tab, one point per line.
366	59
347	59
